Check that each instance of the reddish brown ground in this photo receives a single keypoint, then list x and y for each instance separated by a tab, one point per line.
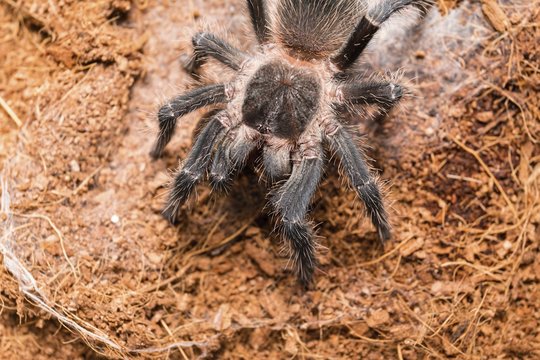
460	279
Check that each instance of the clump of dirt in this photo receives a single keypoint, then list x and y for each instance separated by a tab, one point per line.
460	278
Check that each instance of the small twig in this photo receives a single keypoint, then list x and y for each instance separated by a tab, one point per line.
83	183
170	280
475	154
381	258
521	108
463	178
399	353
10	112
473	321
425	324
482	269
28	14
173	337
86	180
397	267
365	338
58	233
214	228
224	241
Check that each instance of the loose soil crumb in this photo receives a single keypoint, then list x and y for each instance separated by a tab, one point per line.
461	158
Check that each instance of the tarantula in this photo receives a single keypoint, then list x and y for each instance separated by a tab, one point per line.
287	100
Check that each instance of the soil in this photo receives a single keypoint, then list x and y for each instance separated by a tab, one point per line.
91	269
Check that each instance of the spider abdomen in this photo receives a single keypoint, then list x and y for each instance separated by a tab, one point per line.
281	100
314	29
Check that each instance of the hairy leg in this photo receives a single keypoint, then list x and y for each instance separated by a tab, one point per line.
381	94
194	167
291	202
202	122
313	29
180	106
208	45
222	167
259	19
231	155
367	27
355	165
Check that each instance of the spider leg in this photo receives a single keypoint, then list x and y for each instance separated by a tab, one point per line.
203	121
291	202
259	20
222	167
180	106
365	185
231	155
194	167
367	27
383	95
207	44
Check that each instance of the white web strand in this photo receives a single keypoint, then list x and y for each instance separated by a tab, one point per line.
29	287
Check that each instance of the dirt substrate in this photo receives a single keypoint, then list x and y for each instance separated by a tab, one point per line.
91	267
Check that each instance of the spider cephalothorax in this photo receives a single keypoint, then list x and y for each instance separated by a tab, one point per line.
288	100
281	100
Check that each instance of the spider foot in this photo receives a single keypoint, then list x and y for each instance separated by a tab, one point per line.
156	154
171	215
192	66
300	238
